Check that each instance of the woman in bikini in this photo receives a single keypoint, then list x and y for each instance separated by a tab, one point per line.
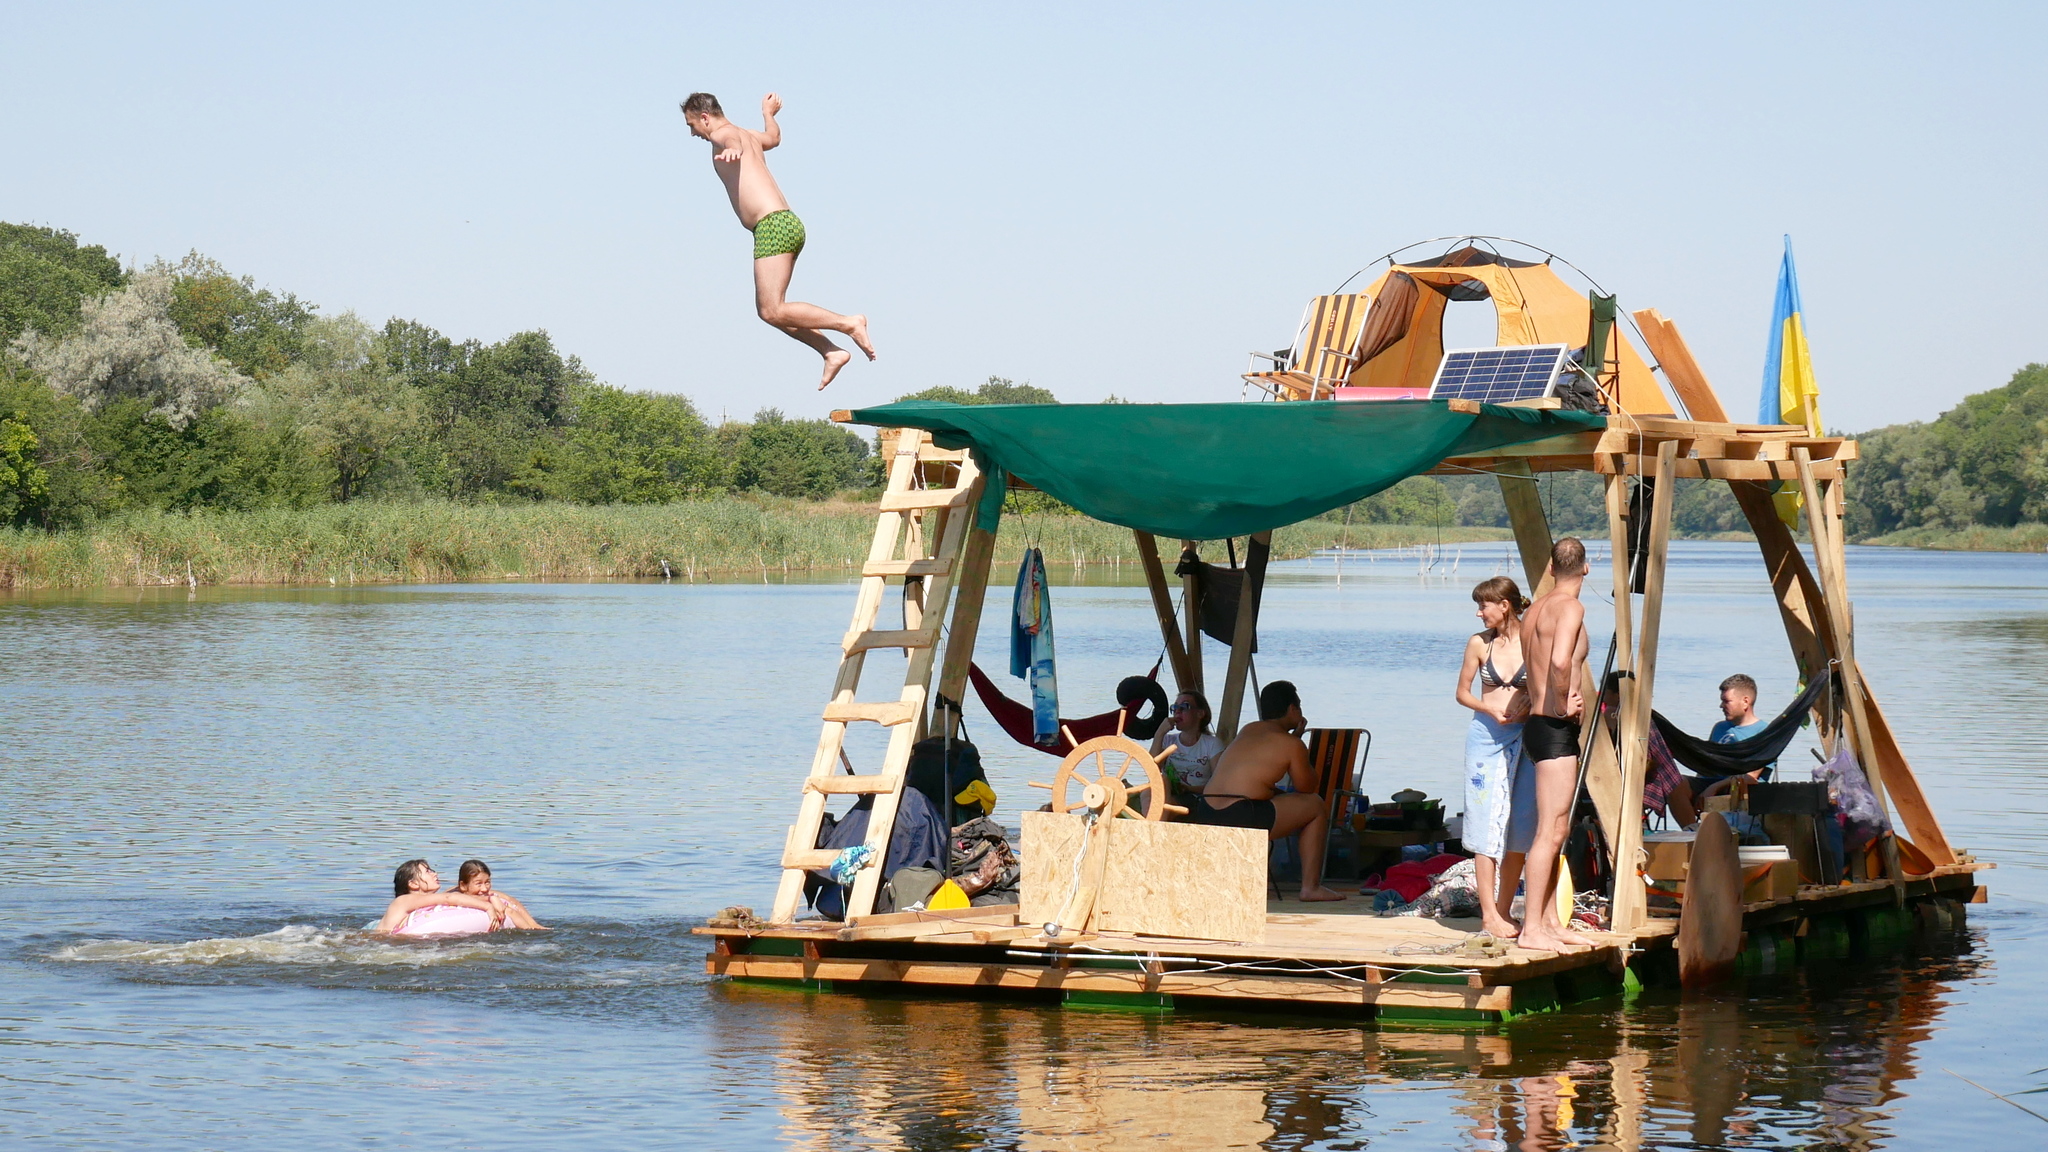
1500	820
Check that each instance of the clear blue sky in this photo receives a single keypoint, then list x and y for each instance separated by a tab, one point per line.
1093	198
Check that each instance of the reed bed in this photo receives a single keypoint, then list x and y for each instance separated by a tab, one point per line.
723	538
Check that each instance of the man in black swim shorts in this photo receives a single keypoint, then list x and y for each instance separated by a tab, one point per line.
1240	789
1554	651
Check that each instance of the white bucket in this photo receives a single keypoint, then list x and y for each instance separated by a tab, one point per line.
1762	854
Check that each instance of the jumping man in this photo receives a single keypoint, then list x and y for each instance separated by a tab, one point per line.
740	159
1553	647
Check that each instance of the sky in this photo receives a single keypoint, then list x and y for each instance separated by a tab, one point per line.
1097	199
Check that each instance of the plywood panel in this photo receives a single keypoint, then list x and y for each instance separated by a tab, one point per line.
1183	880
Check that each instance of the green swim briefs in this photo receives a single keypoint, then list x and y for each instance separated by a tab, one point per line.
776	233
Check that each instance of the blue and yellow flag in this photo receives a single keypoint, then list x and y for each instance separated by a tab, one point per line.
1790	395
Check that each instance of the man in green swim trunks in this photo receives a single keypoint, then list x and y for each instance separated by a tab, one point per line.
740	159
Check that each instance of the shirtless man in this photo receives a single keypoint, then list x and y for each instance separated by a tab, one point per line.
740	159
1554	648
1240	789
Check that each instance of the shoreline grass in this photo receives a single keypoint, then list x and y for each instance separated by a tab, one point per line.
438	541
1978	538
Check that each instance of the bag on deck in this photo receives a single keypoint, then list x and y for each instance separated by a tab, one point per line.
980	844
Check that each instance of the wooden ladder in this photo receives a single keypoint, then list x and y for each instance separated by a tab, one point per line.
918	539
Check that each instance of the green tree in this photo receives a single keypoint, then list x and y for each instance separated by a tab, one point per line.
627	448
45	278
805	458
341	402
258	331
995	390
126	347
1985	461
24	485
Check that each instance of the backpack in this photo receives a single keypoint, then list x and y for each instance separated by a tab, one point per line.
942	769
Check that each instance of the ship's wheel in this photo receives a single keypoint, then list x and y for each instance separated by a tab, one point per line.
1097	777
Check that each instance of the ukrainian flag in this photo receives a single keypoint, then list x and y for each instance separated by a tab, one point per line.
1790	394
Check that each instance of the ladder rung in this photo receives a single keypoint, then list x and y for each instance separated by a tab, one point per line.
888	714
936	455
925	567
850	785
899	638
924	498
808	858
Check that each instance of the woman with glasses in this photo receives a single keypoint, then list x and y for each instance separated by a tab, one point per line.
1196	748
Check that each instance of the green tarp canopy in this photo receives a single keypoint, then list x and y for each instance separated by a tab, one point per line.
1208	471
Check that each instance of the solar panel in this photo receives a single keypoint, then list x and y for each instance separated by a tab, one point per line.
1499	375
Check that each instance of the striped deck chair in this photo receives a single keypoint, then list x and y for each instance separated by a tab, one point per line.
1334	756
1324	353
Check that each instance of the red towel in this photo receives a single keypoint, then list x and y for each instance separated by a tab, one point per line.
1411	878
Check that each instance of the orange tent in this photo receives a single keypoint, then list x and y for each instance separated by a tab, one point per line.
1404	331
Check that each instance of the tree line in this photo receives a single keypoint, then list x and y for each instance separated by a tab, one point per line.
182	386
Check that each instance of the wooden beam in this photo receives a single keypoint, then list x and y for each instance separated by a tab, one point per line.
967	604
1835	591
1191	607
1605	792
1680	368
1630	908
1717	469
1162	606
1909	803
1532	528
1800	606
1257	548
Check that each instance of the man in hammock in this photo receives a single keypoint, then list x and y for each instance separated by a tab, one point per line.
740	158
1240	790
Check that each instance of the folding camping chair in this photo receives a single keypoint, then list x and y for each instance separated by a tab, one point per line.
1324	353
1337	756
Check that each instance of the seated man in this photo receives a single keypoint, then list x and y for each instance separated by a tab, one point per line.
1738	722
1240	789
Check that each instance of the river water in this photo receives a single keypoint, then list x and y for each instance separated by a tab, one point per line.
202	795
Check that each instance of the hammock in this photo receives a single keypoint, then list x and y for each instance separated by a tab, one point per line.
1743	756
1015	718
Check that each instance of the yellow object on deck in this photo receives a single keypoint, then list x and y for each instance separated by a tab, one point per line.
947	897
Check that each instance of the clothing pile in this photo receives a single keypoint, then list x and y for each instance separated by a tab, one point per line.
1443	885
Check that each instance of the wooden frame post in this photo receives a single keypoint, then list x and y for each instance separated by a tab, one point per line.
1829	555
1525	514
969	597
1256	551
1191	607
1162	606
1630	909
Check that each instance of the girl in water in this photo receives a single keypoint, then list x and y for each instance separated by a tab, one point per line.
1500	802
422	909
474	878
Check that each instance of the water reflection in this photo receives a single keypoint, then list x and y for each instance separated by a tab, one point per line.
1803	1060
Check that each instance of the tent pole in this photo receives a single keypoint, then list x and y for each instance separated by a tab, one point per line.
1191	607
1630	908
1162	605
969	594
1257	549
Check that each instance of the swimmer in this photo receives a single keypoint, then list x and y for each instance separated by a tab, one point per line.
474	879
422	909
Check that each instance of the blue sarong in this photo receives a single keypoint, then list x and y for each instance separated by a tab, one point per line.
1031	646
1500	789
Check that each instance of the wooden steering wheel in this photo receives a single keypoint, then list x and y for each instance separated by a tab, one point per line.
1099	768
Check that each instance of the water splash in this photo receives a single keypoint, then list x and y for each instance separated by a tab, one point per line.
304	945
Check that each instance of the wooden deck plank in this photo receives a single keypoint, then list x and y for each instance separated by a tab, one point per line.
1022	977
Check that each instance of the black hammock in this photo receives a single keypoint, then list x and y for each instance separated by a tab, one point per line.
1743	756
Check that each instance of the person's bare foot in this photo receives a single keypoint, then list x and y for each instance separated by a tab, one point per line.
1551	941
857	327
1500	927
1311	895
834	360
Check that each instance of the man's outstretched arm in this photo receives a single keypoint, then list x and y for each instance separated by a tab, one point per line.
771	132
